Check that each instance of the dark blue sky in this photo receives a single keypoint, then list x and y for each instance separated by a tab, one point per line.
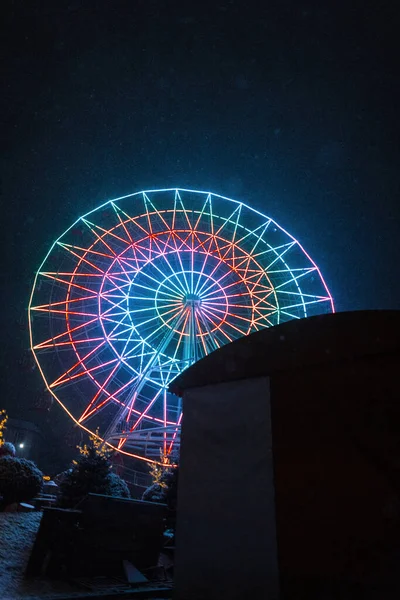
292	108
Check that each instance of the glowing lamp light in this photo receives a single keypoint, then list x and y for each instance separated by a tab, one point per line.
21	445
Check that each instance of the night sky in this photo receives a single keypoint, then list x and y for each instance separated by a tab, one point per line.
291	108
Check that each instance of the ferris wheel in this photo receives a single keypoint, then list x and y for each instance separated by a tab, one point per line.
138	289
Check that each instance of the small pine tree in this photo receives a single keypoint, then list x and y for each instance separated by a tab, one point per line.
164	478
90	474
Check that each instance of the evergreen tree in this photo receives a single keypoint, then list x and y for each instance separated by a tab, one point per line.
90	474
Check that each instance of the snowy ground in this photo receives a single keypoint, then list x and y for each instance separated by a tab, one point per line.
17	535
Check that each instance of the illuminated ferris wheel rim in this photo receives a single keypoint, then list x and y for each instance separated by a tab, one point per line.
190	191
168	424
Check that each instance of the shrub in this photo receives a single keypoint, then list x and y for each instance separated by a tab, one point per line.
7	449
155	493
20	479
164	489
117	486
90	474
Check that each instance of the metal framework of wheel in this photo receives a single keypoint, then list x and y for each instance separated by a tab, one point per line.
142	287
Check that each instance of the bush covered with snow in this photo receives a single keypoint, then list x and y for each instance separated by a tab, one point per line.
7	449
90	474
117	487
20	479
155	493
165	489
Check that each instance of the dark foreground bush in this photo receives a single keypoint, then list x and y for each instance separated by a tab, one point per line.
20	480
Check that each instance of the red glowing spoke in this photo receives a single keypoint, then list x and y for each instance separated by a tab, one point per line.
128	235
133	221
68	343
68	248
63	302
102	388
83	373
66	312
73	274
68	283
216	325
50	341
218	311
98	237
146	411
78	363
175	434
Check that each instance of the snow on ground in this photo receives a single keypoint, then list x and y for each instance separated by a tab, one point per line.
17	535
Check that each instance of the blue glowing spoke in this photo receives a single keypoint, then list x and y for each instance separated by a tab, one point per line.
206	203
128	341
139	343
286	247
178	343
290	315
161	327
163	274
113	305
183	271
192	266
139	310
125	328
178	197
306	270
302	304
229	220
261	228
263	319
179	286
207	255
156	318
302	295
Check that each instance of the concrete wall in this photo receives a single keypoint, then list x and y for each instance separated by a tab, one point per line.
226	540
